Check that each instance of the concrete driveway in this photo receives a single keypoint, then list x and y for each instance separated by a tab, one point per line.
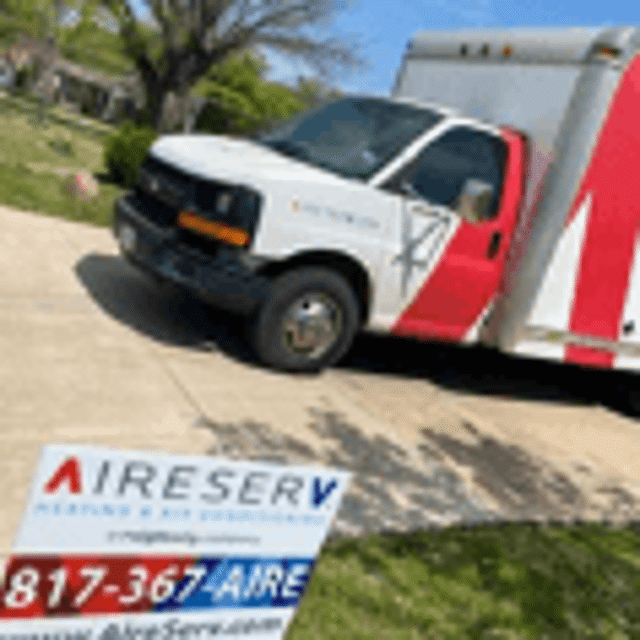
92	352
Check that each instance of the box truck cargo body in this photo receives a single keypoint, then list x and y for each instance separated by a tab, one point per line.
572	288
490	200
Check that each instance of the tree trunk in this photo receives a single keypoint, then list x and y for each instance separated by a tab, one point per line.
154	99
172	113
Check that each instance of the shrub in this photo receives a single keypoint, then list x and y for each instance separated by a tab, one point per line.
213	119
125	150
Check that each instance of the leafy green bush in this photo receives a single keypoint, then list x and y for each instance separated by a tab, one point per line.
213	119
125	150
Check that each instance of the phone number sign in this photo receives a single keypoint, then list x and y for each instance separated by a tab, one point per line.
125	544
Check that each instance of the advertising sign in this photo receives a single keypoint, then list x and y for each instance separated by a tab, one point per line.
142	546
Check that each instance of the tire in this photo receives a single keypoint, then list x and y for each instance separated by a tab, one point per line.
328	303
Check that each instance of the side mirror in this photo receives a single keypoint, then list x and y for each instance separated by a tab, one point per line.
474	200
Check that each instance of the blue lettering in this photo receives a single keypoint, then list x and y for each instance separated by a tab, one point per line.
88	510
41	509
319	494
176	514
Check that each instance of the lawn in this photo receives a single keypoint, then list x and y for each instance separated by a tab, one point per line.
493	582
38	156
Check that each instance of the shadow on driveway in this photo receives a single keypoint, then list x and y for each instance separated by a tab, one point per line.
393	488
174	317
485	371
161	312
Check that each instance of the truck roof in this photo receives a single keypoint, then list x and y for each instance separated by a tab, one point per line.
537	45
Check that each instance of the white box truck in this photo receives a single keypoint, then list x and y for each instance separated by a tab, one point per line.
491	200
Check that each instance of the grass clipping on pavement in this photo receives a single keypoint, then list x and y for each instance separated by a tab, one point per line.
515	581
39	157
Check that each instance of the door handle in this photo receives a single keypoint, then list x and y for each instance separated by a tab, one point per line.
494	245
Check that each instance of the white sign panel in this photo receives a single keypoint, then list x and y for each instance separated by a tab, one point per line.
136	545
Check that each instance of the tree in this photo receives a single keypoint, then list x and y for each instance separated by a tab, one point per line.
186	37
88	44
313	91
39	19
240	100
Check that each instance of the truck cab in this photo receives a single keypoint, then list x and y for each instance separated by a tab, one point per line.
366	213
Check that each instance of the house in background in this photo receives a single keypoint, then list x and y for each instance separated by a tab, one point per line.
95	94
30	54
82	90
28	51
67	84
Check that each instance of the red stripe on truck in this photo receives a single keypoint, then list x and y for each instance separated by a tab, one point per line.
607	253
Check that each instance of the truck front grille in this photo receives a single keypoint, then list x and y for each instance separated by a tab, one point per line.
162	191
154	209
174	188
164	183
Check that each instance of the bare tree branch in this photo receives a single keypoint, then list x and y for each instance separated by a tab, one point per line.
320	54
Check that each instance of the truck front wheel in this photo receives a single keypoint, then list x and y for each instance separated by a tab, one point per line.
308	323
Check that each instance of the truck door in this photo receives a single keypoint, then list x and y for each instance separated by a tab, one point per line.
451	268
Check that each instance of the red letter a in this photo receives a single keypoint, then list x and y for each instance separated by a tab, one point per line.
67	471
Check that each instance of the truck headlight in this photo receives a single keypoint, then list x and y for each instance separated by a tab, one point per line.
224	201
246	208
226	213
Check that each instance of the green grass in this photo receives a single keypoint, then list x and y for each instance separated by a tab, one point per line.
506	582
26	103
37	158
45	193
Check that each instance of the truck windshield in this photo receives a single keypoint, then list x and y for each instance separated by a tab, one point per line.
354	137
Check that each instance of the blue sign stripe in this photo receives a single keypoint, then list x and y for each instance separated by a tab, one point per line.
241	582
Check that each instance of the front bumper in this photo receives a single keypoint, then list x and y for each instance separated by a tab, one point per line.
221	280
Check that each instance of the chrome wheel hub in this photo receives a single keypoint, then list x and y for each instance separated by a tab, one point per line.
311	325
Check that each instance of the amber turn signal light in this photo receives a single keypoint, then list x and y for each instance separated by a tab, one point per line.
218	230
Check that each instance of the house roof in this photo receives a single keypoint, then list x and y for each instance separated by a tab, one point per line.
87	75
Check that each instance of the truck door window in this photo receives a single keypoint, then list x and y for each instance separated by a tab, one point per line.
440	171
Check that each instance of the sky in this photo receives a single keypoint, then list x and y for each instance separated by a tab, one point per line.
383	28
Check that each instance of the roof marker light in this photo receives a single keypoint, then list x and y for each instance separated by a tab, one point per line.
606	52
